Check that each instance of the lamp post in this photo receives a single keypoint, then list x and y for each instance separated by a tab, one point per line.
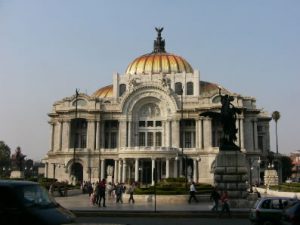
75	136
258	170
184	160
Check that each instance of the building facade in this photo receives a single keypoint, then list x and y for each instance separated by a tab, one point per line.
149	118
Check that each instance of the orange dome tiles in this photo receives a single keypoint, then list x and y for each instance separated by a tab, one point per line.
159	63
104	92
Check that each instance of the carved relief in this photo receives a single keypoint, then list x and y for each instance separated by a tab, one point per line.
149	110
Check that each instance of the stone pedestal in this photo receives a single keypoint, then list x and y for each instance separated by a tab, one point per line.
17	174
109	179
231	175
270	177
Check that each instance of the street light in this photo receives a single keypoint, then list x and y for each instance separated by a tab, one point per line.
75	130
184	159
258	170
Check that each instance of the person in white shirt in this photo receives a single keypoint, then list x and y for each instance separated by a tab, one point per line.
193	192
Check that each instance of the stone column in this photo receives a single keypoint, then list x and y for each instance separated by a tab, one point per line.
255	141
91	134
195	169
52	136
122	134
175	134
124	171
60	130
97	135
167	167
102	162
120	171
168	134
176	168
207	132
136	170
129	134
116	171
242	133
66	135
152	168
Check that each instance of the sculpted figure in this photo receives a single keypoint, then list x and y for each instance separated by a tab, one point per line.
18	160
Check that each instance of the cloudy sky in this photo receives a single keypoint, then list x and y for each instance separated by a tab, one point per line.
49	48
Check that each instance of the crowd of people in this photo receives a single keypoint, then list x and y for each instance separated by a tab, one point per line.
98	192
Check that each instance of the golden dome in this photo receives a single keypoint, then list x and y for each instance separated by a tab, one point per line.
159	62
104	92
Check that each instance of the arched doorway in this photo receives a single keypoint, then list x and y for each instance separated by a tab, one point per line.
77	170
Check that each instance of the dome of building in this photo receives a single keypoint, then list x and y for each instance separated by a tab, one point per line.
159	61
104	92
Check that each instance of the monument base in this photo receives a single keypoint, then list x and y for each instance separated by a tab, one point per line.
231	175
17	174
109	179
270	177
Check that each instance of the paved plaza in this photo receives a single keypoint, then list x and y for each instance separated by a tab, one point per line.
80	203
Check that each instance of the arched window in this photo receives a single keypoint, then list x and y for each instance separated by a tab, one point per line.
122	89
190	88
178	88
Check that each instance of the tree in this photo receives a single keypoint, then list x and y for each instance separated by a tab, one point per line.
276	117
4	157
287	166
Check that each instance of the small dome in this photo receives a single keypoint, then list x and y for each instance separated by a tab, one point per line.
104	92
159	62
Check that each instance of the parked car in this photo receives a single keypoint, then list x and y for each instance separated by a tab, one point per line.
268	210
291	215
25	202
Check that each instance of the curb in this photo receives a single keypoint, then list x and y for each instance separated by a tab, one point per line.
173	214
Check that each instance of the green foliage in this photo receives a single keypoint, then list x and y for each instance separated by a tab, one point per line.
292	187
4	158
174	186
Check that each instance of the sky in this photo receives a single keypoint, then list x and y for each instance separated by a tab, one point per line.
49	48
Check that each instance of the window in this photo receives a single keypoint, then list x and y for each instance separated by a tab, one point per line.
122	89
158	139
158	123
142	123
113	140
178	88
142	139
261	142
149	123
188	140
150	139
78	133
190	88
111	133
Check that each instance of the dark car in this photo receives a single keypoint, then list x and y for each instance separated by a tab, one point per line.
25	202
268	210
291	215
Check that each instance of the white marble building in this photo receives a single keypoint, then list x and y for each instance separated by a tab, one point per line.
146	119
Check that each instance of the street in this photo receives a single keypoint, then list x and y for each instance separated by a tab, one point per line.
162	221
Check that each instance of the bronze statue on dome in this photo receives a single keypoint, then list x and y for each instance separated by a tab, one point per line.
159	43
17	160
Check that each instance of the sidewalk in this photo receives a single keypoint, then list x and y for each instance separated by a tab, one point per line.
81	205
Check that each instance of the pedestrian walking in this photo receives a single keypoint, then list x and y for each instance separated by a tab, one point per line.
119	192
215	196
130	192
102	193
193	192
225	204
